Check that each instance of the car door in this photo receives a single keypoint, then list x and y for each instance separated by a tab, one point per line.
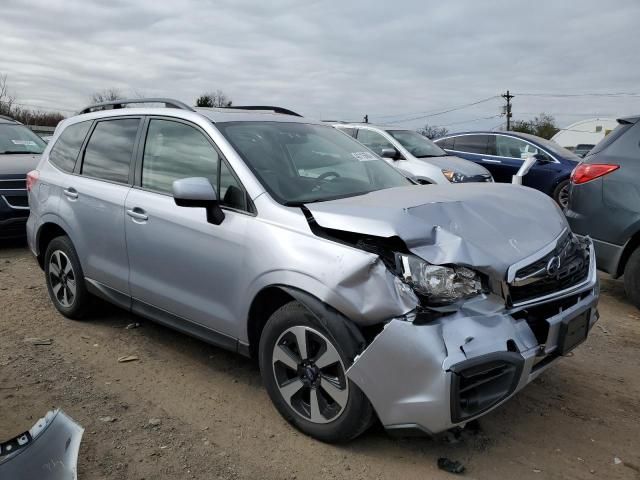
182	267
94	197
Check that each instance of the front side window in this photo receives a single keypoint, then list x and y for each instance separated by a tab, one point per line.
15	139
513	147
110	149
374	140
471	144
417	145
299	163
173	151
65	151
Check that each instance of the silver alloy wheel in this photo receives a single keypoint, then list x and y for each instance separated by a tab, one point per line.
563	196
310	374
62	278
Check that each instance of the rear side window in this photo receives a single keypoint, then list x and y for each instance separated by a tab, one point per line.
471	144
445	143
65	152
374	141
110	149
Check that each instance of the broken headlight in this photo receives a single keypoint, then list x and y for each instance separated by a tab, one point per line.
439	284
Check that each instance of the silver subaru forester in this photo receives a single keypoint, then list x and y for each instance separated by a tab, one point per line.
361	294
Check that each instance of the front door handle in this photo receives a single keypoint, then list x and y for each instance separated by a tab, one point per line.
491	160
70	193
138	214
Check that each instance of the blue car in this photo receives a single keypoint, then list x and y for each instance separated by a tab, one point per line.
502	153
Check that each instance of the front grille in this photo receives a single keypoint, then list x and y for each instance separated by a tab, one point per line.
17	200
538	279
13	184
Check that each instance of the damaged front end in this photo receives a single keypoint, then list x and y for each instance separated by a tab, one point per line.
498	299
47	451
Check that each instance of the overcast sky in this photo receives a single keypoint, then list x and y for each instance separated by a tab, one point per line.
332	59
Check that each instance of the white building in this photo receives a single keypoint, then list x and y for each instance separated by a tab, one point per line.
585	132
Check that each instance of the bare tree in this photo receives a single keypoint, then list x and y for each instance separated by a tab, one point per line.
107	95
213	99
433	132
6	99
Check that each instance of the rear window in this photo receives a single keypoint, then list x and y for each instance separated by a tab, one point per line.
609	139
65	151
109	150
15	139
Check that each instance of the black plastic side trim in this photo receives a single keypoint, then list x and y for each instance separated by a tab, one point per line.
183	325
109	294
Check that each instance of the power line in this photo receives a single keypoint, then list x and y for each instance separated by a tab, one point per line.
616	94
469	121
442	112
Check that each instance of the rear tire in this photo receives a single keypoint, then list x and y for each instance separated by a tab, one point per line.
65	280
308	385
561	194
632	278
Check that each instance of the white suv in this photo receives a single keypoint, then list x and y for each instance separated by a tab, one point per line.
415	155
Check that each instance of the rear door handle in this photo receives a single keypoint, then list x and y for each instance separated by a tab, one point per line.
491	160
138	214
71	193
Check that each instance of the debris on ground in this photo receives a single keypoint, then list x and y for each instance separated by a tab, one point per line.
128	358
451	466
616	461
39	341
154	422
131	326
604	330
107	419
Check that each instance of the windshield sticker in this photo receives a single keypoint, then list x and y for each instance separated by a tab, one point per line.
26	143
364	156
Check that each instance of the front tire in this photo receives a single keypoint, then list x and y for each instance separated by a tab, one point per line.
632	278
304	368
65	280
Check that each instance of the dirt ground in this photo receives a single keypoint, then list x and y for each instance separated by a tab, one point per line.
216	420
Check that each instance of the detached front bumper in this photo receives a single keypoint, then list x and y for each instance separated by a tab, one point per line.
438	375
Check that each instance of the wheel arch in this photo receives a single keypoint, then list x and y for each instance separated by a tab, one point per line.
629	248
272	297
47	232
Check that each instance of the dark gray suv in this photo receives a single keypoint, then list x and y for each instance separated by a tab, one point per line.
604	203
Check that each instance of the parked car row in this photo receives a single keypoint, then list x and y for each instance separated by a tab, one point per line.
361	293
20	151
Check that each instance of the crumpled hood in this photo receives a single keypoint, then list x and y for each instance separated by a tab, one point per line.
487	226
457	164
16	164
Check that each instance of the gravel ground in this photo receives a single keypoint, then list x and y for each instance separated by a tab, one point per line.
211	418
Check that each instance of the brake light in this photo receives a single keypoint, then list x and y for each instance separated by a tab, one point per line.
32	178
585	172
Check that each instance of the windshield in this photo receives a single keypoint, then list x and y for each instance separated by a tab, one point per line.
19	139
300	163
418	145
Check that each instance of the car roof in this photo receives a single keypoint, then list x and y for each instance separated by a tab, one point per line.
362	124
633	119
220	115
526	136
8	120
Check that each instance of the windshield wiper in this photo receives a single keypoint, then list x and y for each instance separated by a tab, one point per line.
15	152
430	156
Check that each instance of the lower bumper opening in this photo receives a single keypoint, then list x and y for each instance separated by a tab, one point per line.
480	383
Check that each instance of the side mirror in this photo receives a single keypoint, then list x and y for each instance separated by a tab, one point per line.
391	153
197	192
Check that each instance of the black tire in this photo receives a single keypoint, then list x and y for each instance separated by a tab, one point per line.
561	194
353	418
77	305
632	278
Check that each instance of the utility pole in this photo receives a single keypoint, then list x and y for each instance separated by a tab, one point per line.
507	109
366	119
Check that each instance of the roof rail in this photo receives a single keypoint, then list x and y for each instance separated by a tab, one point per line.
281	110
115	104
